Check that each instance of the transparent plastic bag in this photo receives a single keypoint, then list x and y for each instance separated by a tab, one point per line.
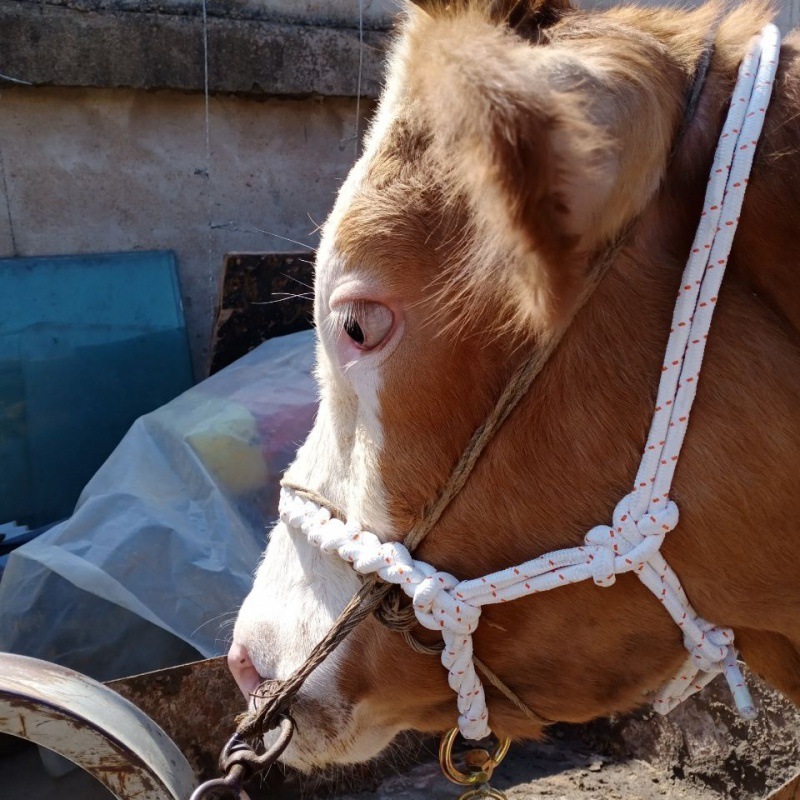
169	531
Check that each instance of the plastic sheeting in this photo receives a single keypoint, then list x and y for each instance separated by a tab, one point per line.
169	531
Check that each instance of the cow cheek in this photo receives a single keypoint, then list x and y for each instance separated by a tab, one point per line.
394	685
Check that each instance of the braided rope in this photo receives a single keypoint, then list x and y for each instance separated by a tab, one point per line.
642	518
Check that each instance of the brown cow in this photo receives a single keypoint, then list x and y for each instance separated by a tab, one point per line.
515	140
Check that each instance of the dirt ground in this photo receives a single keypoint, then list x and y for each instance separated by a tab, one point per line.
702	751
560	770
557	771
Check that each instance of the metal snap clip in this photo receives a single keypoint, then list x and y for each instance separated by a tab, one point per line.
240	762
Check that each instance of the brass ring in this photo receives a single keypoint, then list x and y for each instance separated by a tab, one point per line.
452	773
483	793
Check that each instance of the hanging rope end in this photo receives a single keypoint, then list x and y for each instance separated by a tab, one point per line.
741	694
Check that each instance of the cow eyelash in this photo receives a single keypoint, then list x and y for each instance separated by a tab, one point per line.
350	324
366	323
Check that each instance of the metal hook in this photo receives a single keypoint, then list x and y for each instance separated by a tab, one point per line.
230	785
240	762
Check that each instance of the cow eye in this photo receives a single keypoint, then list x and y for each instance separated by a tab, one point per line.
367	324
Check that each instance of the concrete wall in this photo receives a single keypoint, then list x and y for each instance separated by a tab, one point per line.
107	149
91	170
336	13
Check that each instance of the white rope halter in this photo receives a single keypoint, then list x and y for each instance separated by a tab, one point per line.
642	518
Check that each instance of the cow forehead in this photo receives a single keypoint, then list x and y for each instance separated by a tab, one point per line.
389	211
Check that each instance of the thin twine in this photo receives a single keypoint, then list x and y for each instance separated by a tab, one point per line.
372	593
514	391
206	91
8	204
360	69
207	115
3	174
277	696
434	650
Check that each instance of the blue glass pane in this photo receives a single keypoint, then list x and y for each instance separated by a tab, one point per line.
87	345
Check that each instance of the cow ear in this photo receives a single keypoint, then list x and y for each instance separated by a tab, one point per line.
518	140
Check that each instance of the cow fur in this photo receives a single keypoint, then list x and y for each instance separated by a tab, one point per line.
514	142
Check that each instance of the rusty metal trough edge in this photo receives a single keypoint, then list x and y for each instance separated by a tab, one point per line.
94	727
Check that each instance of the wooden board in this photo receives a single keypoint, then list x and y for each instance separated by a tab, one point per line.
262	295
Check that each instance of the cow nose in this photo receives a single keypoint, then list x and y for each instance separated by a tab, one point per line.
243	671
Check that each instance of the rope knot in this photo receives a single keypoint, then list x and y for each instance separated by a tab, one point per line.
703	661
393	614
436	607
710	651
604	549
628	543
656	522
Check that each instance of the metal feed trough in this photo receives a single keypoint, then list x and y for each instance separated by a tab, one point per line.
117	741
93	726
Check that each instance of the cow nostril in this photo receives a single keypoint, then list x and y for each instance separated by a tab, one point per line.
243	671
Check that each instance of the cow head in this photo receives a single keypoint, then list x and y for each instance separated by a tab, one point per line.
513	143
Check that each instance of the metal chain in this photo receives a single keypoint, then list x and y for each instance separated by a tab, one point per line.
239	762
